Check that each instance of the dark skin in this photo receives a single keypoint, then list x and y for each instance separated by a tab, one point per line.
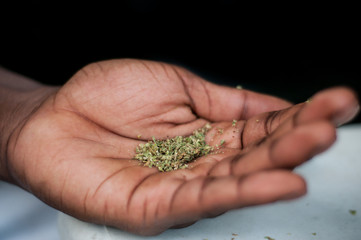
74	149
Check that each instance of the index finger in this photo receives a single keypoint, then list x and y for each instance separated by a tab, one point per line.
221	103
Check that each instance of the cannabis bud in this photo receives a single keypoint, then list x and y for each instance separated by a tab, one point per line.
174	153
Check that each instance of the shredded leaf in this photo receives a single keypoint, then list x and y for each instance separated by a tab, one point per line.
352	212
174	153
269	238
234	122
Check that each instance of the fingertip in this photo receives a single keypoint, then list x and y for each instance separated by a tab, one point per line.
338	104
327	134
299	190
270	186
347	103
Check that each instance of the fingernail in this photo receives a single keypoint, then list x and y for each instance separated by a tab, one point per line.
346	116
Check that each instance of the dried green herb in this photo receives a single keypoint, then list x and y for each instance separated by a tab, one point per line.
269	238
239	87
234	122
220	130
352	212
174	153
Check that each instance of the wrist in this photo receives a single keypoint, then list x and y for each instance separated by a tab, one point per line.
16	108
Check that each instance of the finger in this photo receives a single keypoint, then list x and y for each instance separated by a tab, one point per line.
221	103
336	105
332	105
242	134
207	197
287	151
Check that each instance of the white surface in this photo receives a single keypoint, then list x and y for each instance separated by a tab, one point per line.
24	217
334	188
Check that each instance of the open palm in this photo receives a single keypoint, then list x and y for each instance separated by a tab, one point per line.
75	152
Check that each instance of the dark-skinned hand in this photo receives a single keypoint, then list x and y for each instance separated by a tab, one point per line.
75	151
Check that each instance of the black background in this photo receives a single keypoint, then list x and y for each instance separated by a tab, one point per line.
291	51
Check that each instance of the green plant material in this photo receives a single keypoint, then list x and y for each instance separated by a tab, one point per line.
269	238
239	87
352	212
174	153
220	130
314	234
234	122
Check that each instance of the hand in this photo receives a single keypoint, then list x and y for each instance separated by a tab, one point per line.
75	151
